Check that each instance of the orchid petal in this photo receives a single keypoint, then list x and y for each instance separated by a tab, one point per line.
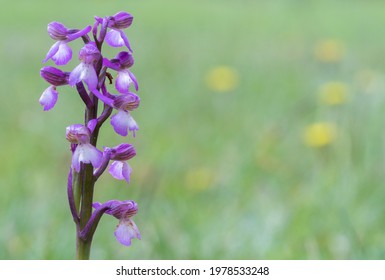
103	98
84	72
48	98
92	124
123	81
125	231
86	153
52	51
91	155
74	36
76	75
63	54
111	65
125	40
114	39
75	159
120	121
90	77
120	170
133	78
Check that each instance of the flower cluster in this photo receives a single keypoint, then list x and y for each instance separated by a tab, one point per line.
91	78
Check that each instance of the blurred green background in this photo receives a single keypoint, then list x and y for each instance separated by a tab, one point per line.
261	131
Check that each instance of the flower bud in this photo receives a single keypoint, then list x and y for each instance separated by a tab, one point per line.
123	152
78	134
57	31
54	76
128	101
121	20
126	60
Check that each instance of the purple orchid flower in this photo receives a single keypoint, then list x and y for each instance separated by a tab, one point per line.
60	52
55	77
119	168
85	71
84	151
122	121
123	211
115	37
121	63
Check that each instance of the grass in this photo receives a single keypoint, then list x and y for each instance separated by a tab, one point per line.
217	175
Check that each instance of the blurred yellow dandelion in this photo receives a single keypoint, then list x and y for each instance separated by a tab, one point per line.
319	134
333	93
199	179
222	79
329	51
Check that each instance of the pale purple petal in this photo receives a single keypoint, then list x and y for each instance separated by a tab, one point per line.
102	97
114	39
125	39
84	72
86	153
90	77
63	54
123	81
71	37
132	126
111	65
97	205
133	78
76	75
120	170
125	231
91	155
120	122
76	159
52	51
92	124
48	98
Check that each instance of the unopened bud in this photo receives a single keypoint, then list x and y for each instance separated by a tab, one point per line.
128	101
57	31
123	152
54	76
121	20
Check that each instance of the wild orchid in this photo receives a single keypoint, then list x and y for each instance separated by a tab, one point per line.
91	80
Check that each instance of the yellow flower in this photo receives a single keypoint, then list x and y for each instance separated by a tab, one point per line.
329	51
319	134
222	79
199	179
333	93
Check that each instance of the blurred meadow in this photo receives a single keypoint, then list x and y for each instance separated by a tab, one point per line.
261	131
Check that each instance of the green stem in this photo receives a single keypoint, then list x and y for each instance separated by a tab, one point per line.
77	183
83	247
